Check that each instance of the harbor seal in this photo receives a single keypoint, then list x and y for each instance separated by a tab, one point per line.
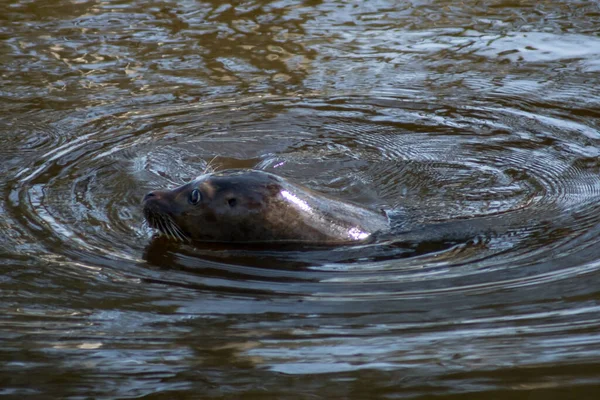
253	206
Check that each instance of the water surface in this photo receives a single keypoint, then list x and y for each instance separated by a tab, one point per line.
436	111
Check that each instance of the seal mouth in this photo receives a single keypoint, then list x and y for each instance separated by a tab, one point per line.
165	224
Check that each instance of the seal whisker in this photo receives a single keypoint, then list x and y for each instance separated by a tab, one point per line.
169	228
184	237
165	227
173	231
166	224
153	222
177	230
180	236
162	227
208	168
157	224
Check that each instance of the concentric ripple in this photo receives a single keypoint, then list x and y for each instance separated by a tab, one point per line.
420	162
475	125
521	196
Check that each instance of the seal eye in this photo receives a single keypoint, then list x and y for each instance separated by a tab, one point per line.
195	197
232	202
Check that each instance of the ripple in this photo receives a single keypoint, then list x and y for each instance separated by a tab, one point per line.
474	125
440	171
365	150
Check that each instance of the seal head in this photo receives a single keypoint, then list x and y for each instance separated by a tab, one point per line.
252	206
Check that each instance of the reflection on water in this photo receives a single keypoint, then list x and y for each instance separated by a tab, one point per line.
467	115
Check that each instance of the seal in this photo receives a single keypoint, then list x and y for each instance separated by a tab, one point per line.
253	206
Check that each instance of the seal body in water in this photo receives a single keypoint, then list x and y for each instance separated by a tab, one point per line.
246	206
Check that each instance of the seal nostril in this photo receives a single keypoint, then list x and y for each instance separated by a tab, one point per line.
149	195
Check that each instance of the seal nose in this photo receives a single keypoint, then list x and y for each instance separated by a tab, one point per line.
149	195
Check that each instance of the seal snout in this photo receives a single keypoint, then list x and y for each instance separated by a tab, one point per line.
159	212
156	196
154	202
149	195
157	202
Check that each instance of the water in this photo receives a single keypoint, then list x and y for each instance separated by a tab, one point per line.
436	111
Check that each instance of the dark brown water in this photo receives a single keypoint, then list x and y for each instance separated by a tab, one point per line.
434	110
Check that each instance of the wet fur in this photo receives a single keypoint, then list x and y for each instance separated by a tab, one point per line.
255	206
